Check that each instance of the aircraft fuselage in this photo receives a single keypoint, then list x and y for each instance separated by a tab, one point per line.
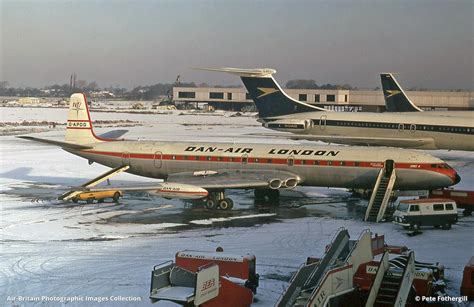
445	132
326	166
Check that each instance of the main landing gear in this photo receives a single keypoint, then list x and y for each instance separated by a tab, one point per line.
217	200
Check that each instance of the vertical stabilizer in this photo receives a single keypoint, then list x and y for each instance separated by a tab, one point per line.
268	96
395	98
79	125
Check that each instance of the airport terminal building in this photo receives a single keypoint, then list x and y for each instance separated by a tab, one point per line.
230	98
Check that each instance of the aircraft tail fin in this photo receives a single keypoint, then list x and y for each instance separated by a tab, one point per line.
79	124
268	96
395	98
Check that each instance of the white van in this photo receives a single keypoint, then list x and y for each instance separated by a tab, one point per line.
412	214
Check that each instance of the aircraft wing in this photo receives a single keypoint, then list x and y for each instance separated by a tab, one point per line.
194	185
236	179
359	140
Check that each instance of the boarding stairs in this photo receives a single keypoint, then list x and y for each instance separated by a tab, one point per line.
315	284
381	194
391	286
308	275
92	183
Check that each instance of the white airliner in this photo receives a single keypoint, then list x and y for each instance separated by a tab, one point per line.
205	170
421	130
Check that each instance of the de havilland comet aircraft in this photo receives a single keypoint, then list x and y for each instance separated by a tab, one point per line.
205	170
420	130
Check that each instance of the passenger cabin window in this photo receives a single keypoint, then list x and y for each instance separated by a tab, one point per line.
245	159
414	208
331	98
438	207
316	98
302	97
449	206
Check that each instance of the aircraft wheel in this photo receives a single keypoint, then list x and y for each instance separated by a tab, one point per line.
446	226
415	226
210	203
225	204
116	197
90	200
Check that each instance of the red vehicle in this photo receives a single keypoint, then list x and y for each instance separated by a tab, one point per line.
242	267
208	279
463	198
467	284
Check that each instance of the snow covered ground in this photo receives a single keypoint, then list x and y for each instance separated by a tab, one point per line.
61	249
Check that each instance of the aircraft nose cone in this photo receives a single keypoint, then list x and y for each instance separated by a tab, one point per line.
457	179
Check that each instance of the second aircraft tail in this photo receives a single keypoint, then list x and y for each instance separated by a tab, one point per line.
395	98
268	96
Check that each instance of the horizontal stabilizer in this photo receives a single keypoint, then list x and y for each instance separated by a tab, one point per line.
114	134
55	143
242	72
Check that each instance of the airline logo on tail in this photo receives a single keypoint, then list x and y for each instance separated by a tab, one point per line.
77	107
392	93
266	91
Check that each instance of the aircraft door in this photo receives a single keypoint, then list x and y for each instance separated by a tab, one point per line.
125	158
401	127
245	159
157	159
291	161
389	166
322	122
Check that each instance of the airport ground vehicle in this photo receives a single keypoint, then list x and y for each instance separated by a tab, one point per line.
467	284
206	279
426	212
352	273
89	197
464	199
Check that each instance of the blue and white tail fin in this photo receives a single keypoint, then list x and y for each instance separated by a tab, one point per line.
268	96
79	125
395	98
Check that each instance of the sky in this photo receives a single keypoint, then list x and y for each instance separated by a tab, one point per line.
429	43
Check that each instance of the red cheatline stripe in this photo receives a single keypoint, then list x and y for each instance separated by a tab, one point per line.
254	160
184	192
